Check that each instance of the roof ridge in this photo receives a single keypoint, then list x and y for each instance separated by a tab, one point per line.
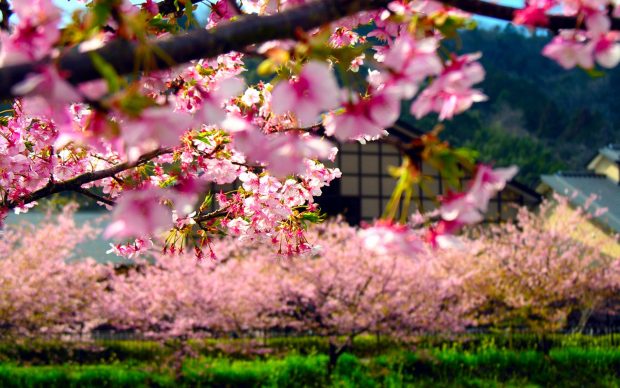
583	174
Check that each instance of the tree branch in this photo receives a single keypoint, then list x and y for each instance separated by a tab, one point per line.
5	10
94	196
168	6
75	184
195	44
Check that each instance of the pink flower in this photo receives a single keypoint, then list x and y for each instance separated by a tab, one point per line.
289	152
462	208
489	181
47	94
343	37
220	11
570	49
411	62
283	153
250	97
451	93
467	208
366	118
138	213
534	14
35	34
442	236
161	125
607	50
212	112
388	238
314	91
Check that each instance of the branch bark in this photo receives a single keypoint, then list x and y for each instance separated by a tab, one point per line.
6	12
168	6
75	184
94	196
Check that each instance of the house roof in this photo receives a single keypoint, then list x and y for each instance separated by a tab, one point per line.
612	152
578	186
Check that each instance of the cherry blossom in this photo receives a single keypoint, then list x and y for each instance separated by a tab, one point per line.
364	118
139	213
535	13
389	238
451	93
35	34
315	90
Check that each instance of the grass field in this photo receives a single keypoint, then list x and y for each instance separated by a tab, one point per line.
475	361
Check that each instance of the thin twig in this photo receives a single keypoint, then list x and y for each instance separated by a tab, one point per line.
94	196
75	184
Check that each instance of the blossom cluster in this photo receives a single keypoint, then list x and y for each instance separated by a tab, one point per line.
597	43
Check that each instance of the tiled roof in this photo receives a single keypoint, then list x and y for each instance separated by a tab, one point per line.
586	184
612	152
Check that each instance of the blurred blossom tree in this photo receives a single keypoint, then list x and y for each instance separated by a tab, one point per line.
528	275
138	108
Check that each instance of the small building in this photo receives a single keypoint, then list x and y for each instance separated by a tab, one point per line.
599	187
366	184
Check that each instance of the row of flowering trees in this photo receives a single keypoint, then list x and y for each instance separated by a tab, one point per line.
136	107
528	275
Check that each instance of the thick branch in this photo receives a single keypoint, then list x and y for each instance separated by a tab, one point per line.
168	6
75	184
5	10
196	44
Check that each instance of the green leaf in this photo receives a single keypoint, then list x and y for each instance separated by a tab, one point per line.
314	217
107	71
207	201
159	22
594	72
168	182
203	138
266	67
100	13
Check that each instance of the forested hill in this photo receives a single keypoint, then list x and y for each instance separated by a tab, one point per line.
538	115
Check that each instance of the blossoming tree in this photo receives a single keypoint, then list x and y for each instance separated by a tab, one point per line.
134	106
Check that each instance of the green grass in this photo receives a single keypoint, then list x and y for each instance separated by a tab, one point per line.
47	352
484	367
466	361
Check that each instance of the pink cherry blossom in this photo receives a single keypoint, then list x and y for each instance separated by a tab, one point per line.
467	208
138	213
221	10
386	237
411	62
570	49
365	118
451	93
35	34
607	50
47	94
315	90
534	14
162	126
